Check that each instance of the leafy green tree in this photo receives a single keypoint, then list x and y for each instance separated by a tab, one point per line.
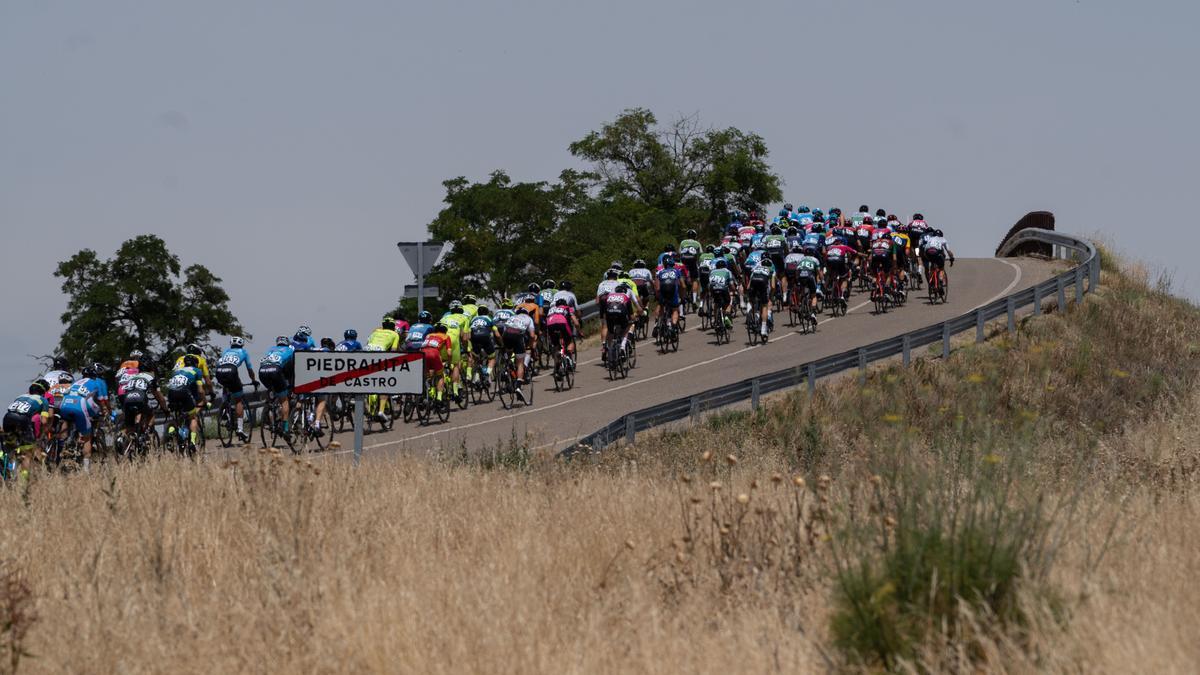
138	300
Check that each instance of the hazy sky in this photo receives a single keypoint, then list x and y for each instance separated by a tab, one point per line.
289	145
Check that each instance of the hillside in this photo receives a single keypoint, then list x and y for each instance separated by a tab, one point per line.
1026	504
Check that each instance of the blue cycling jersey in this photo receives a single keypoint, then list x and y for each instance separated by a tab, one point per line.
184	378
416	335
813	239
87	389
756	237
348	346
668	276
753	258
278	356
305	345
234	356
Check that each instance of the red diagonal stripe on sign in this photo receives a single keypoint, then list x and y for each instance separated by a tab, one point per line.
309	387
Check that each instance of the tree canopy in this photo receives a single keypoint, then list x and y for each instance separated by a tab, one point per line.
138	300
646	186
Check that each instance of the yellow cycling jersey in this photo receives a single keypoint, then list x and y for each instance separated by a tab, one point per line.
902	241
203	367
458	325
632	288
384	338
470	311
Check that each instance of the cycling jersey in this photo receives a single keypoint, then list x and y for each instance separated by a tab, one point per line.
720	279
935	245
689	248
348	346
470	310
184	378
30	405
753	259
386	339
482	326
607	286
775	244
572	301
416	336
202	366
138	390
546	297
501	317
305	345
436	348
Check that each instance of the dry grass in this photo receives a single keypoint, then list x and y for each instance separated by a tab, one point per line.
636	562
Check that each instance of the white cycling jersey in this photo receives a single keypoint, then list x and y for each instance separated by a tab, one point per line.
519	323
607	286
568	295
935	244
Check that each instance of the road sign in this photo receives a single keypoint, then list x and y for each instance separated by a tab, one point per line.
421	256
359	373
411	290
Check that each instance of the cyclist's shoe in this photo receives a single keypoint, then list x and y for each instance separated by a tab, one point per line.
318	432
728	323
243	437
521	395
654	333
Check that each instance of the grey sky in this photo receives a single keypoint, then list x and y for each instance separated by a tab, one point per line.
289	145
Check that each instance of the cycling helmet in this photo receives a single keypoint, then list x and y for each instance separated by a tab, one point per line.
426	317
136	354
616	264
937	233
817	212
64	378
787	206
668	261
720	263
880	213
60	363
622	288
440	327
484	310
864	209
566	285
305	331
38	387
301	339
469	299
917	216
818	218
783	213
328	343
234	342
868	220
792	231
639	263
282	341
388	325
350	334
562	302
611	273
835	211
456	307
506	303
548	284
710	248
193	349
691	234
191	361
533	288
803	209
776	230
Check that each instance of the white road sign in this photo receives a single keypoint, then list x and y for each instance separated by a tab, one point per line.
359	373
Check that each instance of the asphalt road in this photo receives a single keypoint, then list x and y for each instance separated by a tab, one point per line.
555	419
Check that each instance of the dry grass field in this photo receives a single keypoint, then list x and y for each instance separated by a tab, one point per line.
1029	504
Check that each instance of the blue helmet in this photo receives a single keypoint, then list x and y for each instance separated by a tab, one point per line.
803	209
350	334
783	213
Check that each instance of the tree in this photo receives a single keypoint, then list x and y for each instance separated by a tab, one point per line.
681	166
137	300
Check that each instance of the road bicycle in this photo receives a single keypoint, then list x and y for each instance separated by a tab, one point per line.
506	381
754	324
138	441
939	284
270	427
800	311
306	435
879	293
177	436
226	419
720	330
429	406
341	411
666	335
564	369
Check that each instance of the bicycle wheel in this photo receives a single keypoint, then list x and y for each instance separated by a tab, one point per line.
504	388
266	429
226	426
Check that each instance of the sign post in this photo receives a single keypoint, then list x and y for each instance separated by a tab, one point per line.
421	256
361	374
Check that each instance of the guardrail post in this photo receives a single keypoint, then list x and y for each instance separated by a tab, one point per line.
979	325
1062	293
1011	307
812	378
1078	285
358	428
630	429
906	347
754	391
862	364
694	411
945	340
1037	300
1095	270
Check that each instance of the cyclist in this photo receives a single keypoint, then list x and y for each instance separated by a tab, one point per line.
227	375
277	372
484	336
883	260
58	368
503	314
807	276
436	348
546	296
26	419
520	333
567	292
761	280
349	342
128	368
803	216
135	400
864	213
401	326
197	351
415	340
607	286
302	341
85	401
775	245
184	394
902	244
458	327
529	300
669	280
704	268
689	255
641	277
620	307
385	338
837	264
561	326
720	281
936	252
470	306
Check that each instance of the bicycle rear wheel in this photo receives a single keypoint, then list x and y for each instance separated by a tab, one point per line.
226	425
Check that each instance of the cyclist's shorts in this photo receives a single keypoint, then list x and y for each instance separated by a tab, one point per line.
759	291
692	265
617	323
668	296
484	345
181	400
433	360
777	260
643	289
808	281
19	428
227	376
275	380
81	418
837	268
881	262
514	341
720	297
560	334
935	257
901	259
133	406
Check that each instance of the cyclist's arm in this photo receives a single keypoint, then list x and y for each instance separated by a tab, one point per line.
249	369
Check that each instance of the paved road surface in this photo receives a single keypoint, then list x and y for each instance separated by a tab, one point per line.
557	418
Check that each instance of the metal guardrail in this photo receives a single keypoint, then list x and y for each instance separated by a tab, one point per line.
1064	246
